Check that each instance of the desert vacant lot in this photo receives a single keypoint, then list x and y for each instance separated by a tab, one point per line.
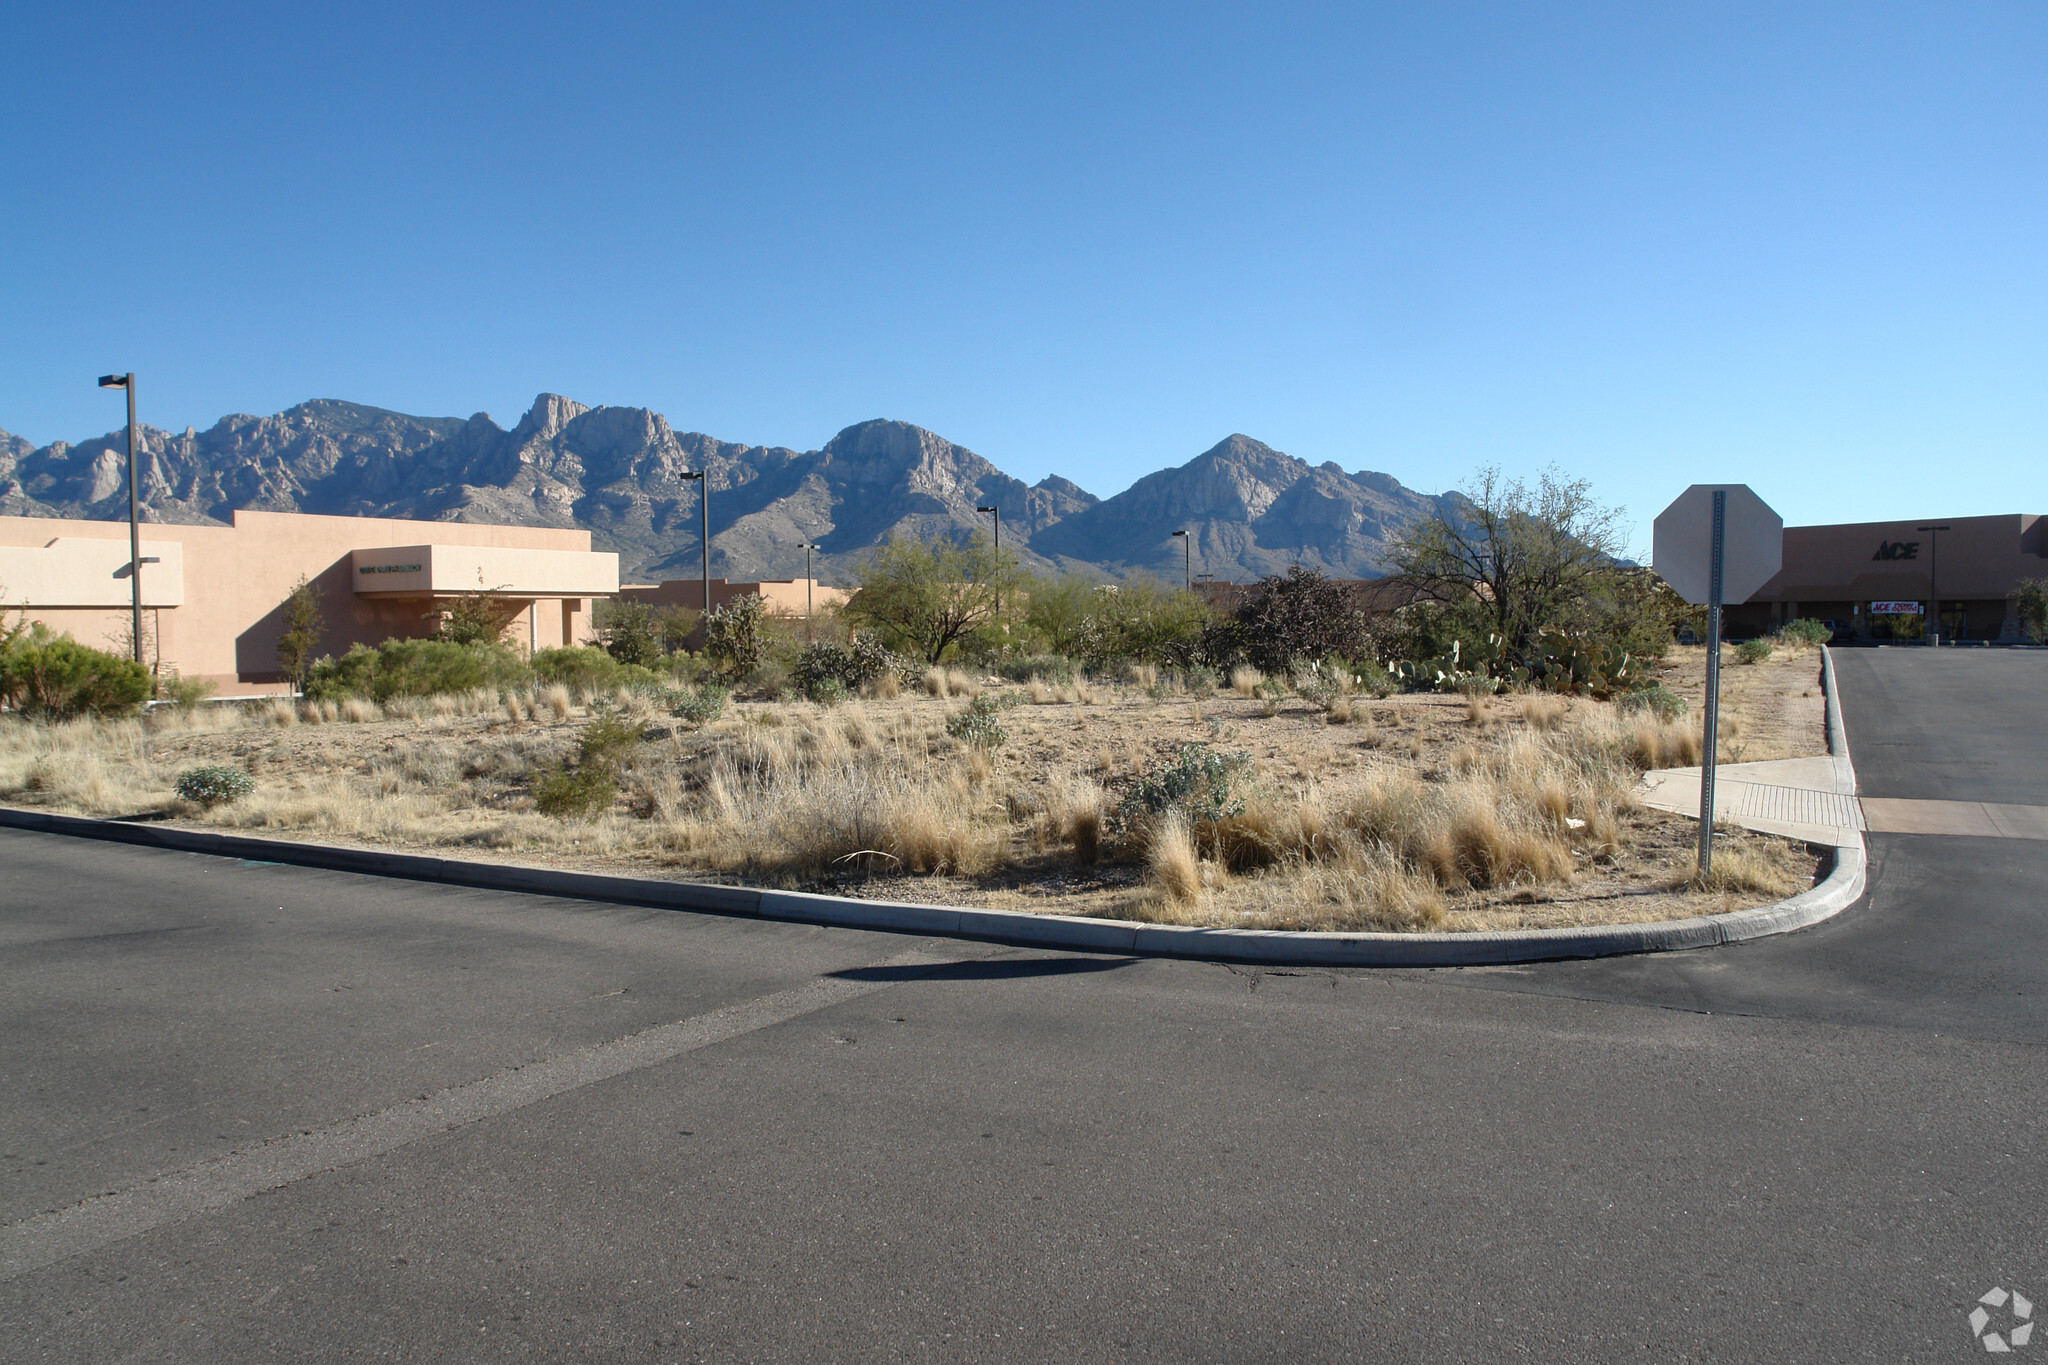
1412	812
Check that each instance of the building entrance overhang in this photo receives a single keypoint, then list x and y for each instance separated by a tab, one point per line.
451	571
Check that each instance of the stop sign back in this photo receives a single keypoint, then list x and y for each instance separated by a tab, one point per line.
1682	543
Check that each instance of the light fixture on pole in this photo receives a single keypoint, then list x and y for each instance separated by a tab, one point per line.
704	501
809	583
997	513
1934	582
127	381
1187	561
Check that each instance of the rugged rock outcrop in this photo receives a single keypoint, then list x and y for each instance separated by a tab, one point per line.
618	472
1251	511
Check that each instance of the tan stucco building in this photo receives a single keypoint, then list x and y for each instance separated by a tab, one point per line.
784	596
212	595
1850	573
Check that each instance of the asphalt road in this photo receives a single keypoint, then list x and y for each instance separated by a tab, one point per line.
335	1117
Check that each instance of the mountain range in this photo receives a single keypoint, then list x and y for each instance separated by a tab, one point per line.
617	472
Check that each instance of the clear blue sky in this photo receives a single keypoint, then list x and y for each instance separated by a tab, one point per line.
1800	246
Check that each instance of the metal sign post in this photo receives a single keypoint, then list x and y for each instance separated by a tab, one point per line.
1714	543
1712	706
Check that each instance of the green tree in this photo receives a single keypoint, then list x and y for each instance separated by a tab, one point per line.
628	631
2032	597
1513	559
299	642
924	596
1058	610
474	618
1144	620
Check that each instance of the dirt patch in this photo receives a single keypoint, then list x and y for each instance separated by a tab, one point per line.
1770	710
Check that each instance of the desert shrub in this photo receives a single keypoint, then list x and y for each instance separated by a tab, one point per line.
592	784
1200	681
700	707
628	631
53	677
1373	677
978	726
1299	615
733	635
1904	626
827	692
588	669
1056	669
1805	631
578	792
183	692
852	666
213	785
1318	686
767	679
1752	651
1657	699
1199	785
415	668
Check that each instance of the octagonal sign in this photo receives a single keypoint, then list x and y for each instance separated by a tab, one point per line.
1752	541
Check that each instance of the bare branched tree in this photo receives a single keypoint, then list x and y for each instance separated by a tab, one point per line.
1520	559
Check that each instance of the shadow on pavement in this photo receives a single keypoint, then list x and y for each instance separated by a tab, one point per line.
984	970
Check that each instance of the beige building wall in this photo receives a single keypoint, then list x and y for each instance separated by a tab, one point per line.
786	596
232	581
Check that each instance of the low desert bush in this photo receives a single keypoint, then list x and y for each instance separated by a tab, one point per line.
1200	786
52	677
420	668
575	792
184	692
852	666
1752	651
978	726
213	785
1805	632
1244	681
589	670
1655	699
591	785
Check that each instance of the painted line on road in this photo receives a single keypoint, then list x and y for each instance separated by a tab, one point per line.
48	1238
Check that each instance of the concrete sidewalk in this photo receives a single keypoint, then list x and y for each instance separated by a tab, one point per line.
1815	799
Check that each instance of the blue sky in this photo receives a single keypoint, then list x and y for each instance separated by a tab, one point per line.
1799	246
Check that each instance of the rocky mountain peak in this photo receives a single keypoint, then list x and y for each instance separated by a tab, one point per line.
617	472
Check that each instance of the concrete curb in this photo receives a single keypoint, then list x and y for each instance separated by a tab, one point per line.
1836	892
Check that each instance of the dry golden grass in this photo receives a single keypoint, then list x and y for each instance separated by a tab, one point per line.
1245	681
1407	817
1761	869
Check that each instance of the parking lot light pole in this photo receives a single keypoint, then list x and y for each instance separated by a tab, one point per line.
809	582
1934	582
704	502
127	381
1187	562
997	513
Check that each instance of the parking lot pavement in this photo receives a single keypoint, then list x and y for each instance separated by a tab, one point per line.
261	1112
1952	935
